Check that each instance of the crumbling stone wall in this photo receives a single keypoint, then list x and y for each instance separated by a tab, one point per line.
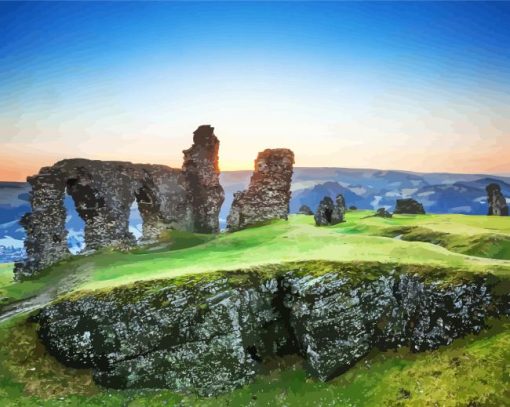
103	191
46	240
496	200
162	200
268	194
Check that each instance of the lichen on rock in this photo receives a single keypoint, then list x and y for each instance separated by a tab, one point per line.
210	334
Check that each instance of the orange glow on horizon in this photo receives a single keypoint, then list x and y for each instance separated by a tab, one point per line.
17	167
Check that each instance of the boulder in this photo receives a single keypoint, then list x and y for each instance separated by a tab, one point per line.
305	210
496	200
336	320
206	337
329	213
408	206
383	213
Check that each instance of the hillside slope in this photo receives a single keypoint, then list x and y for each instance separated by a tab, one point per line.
364	188
361	237
450	253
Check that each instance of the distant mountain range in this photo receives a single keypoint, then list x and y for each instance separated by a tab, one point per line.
363	188
372	189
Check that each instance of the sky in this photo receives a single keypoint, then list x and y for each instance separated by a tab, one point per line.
412	86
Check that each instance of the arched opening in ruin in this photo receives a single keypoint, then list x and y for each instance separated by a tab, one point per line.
147	204
135	221
75	226
83	206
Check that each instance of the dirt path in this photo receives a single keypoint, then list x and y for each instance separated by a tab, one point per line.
66	284
27	305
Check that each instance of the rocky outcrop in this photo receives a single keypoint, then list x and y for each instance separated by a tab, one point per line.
383	213
210	335
496	200
337	322
408	206
329	213
206	337
268	194
103	192
305	210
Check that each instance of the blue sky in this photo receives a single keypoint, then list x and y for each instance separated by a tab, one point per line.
418	86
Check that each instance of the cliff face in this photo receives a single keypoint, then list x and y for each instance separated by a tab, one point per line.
183	337
209	335
268	194
496	201
103	191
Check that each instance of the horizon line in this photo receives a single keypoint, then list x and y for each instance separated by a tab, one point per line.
498	174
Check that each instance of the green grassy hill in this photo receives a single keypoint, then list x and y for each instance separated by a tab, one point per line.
473	371
409	239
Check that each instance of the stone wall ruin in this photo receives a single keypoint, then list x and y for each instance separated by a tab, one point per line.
187	199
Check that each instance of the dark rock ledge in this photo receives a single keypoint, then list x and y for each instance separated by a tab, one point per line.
209	334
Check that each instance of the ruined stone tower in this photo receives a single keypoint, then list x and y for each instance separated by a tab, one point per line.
202	178
268	194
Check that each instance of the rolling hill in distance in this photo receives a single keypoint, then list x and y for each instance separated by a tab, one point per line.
363	188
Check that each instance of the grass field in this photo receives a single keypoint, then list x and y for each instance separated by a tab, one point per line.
474	371
361	237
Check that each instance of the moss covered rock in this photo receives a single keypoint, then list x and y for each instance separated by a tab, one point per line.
209	334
